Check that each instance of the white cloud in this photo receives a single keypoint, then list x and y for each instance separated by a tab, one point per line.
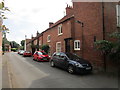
28	16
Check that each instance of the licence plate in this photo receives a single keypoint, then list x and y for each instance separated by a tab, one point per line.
88	68
44	58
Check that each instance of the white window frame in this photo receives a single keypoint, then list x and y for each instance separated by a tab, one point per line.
35	42
58	49
118	15
48	38
77	45
39	42
60	32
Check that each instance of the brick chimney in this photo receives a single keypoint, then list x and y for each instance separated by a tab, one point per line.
69	10
32	36
50	24
37	33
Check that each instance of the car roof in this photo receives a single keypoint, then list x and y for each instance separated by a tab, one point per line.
63	52
39	51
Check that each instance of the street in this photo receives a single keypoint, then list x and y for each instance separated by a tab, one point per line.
26	73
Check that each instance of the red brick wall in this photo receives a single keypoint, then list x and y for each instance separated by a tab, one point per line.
28	47
110	18
91	15
66	28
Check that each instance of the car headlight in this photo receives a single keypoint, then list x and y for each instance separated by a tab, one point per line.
78	65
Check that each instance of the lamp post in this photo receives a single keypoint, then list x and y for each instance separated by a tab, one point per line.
82	25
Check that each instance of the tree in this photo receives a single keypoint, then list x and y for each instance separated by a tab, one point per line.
110	48
2	10
3	27
45	48
5	41
22	42
14	44
21	47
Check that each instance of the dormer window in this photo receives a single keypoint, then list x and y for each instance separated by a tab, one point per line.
48	38
60	30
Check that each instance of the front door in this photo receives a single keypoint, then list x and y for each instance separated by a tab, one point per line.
67	45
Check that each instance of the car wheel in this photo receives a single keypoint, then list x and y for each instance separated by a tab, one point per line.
52	64
71	69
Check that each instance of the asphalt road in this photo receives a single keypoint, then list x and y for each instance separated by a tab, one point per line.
26	73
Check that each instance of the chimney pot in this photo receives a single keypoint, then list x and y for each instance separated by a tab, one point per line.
50	24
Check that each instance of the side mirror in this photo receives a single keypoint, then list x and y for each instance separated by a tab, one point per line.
64	58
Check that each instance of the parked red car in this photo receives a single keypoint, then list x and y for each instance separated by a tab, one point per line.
27	53
40	56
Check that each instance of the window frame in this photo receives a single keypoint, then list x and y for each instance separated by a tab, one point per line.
76	44
118	15
39	42
58	47
60	32
48	38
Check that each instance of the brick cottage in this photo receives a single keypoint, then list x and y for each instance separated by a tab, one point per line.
76	32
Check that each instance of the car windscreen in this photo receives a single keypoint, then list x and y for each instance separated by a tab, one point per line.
22	51
42	53
27	52
72	56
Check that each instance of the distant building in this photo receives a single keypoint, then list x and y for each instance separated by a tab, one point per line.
84	24
7	48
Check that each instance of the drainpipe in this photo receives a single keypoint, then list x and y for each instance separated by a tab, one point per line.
104	56
82	26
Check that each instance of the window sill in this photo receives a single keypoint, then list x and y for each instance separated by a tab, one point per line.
77	49
60	34
48	41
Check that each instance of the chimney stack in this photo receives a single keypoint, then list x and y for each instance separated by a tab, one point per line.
50	24
32	36
69	10
37	33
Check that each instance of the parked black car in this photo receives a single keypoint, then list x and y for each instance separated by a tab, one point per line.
71	62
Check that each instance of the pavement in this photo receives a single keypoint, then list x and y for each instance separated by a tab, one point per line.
23	72
0	71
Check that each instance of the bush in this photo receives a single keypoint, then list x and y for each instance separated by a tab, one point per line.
14	49
45	48
110	48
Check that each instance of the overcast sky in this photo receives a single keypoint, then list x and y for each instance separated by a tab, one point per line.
29	16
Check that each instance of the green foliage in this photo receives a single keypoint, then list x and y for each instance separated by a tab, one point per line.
115	35
111	49
22	42
4	41
14	49
14	44
33	46
3	9
45	48
104	46
21	47
1	5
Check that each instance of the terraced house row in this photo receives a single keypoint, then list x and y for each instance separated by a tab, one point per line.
76	32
